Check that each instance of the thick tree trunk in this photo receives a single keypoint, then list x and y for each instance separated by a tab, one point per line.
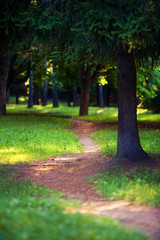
101	102
128	138
85	81
75	98
4	70
36	94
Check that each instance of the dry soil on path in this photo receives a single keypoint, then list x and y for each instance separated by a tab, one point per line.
68	174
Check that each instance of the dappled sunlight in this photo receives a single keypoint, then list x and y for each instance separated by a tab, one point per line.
26	138
23	99
100	111
13	155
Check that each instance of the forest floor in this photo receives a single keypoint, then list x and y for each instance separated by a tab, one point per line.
68	174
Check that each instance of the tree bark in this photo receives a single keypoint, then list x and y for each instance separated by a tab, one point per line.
54	89
75	98
45	86
30	99
55	95
4	70
36	94
106	94
85	81
45	90
68	95
128	139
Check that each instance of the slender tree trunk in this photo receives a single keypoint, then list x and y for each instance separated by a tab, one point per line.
106	94
4	70
85	81
30	99
45	90
55	95
75	98
97	94
45	86
128	138
101	102
69	96
54	89
36	94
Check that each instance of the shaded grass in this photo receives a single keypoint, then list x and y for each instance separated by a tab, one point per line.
139	185
35	212
26	138
107	140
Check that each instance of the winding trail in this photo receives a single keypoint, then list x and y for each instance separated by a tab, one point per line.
68	174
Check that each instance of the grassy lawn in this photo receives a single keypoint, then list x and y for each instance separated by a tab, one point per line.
35	212
26	138
96	114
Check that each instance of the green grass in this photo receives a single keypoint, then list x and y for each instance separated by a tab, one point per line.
96	114
36	213
26	138
139	185
107	140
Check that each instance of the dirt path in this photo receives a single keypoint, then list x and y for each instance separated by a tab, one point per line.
68	173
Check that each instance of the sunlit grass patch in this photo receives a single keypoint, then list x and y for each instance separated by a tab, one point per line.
36	212
39	109
139	185
101	115
107	141
26	138
96	114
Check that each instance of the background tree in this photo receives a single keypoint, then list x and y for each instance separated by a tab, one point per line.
12	36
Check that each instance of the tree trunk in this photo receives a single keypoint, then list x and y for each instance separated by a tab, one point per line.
45	90
128	138
75	98
101	102
106	94
4	70
54	89
30	99
97	94
45	86
68	94
36	94
85	81
55	95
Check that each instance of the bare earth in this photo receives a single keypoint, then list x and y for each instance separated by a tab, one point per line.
68	173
